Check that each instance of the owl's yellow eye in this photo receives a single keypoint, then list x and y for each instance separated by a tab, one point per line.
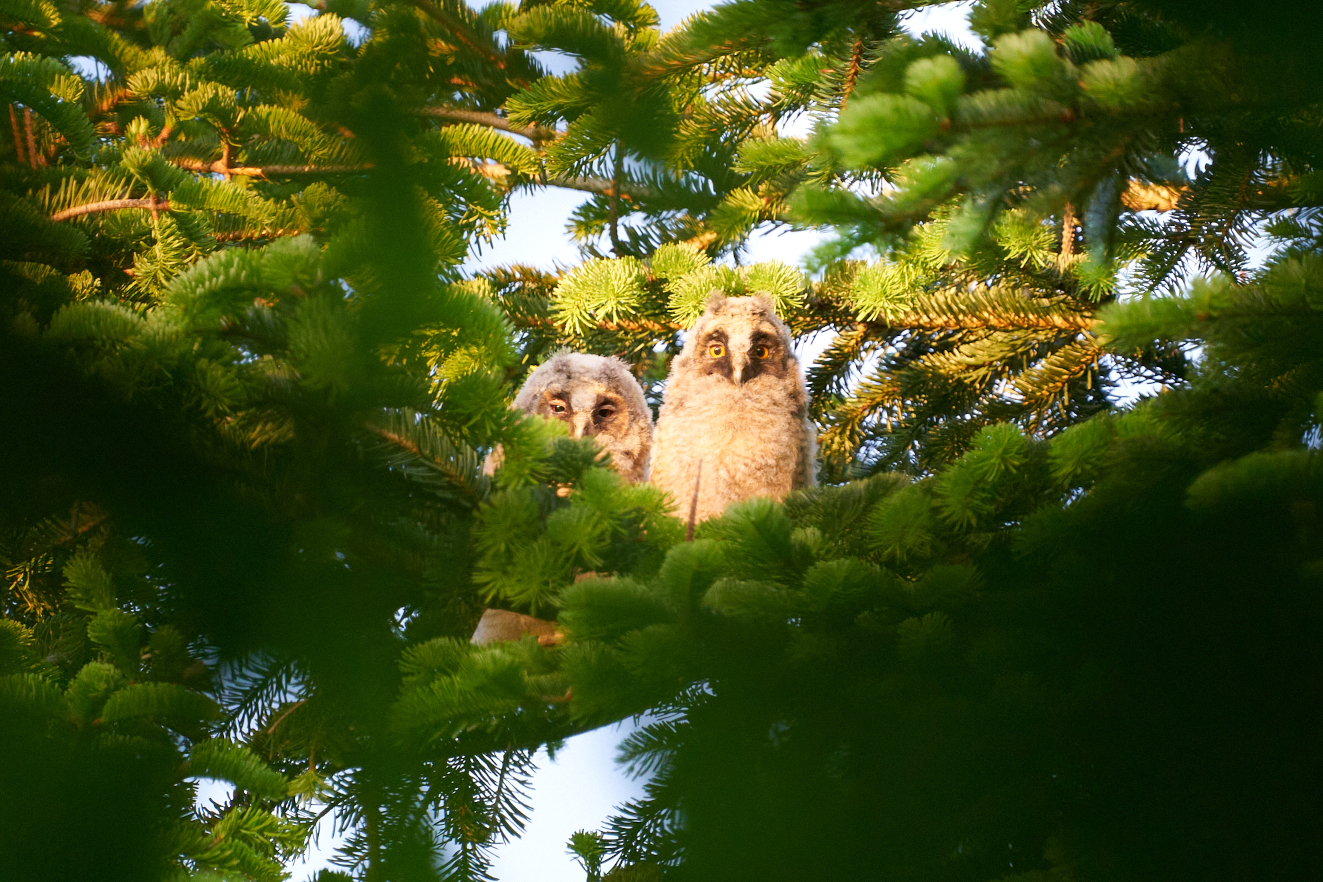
716	350
761	352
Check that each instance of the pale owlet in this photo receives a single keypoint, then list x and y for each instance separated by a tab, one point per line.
736	402
597	398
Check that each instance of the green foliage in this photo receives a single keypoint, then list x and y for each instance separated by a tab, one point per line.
238	765
610	291
248	393
578	517
983	612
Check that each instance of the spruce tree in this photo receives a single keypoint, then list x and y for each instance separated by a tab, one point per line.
1022	631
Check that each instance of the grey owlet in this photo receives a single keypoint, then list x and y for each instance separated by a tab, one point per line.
597	398
736	401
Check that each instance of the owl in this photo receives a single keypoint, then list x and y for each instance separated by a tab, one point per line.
597	398
735	402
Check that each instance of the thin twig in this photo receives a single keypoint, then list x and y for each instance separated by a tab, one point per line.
614	202
33	158
18	137
693	504
1068	231
626	191
280	719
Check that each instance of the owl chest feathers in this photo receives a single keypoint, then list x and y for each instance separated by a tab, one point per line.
752	440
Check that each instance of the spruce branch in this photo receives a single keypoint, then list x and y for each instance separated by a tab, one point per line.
493	170
536	134
631	326
852	71
112	98
499	172
987	322
992	309
601	186
461	482
150	203
264	233
220	167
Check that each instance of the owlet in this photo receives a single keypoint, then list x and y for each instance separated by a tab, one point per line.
736	402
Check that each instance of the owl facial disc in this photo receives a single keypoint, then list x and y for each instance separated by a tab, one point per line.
589	409
598	398
742	353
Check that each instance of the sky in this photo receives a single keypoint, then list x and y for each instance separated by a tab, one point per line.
581	787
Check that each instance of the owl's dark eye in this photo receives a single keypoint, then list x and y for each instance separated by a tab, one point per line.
716	350
761	352
557	407
605	412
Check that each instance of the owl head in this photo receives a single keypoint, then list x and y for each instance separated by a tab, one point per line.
596	398
740	339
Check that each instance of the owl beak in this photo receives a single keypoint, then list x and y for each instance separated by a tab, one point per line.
582	427
737	371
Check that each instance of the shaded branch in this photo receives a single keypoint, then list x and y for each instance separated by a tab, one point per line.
455	476
460	32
